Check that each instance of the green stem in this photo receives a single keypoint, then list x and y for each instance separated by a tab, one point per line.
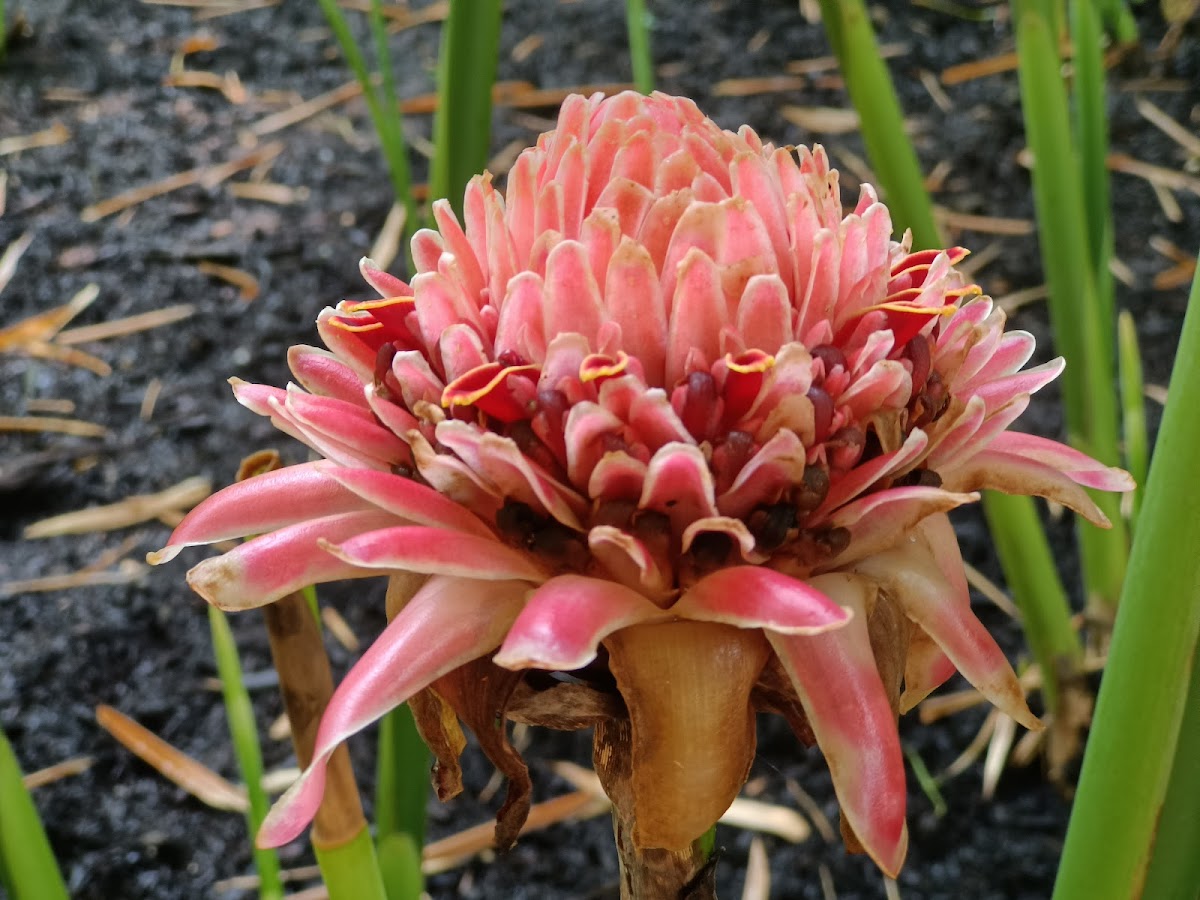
1119	809
462	125
27	866
401	789
873	95
1085	337
637	22
350	870
243	730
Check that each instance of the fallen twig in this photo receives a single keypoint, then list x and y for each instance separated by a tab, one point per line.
130	511
208	176
194	777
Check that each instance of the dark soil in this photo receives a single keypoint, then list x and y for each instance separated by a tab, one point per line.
120	830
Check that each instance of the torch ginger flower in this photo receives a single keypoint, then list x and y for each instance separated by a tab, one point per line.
661	417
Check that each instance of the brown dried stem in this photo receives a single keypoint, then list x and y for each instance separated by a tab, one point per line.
646	873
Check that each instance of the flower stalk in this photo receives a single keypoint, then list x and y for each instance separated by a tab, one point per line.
647	873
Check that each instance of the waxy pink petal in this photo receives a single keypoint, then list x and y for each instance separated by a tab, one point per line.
260	504
565	620
837	681
405	499
1079	467
758	597
912	578
450	621
435	551
1015	474
274	565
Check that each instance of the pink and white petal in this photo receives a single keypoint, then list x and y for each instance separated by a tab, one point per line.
913	579
617	476
656	422
586	427
952	434
734	529
520	329
863	476
346	345
435	551
387	285
847	706
565	619
500	461
406	499
765	313
1013	474
323	373
394	417
1079	467
347	425
698	312
573	302
260	504
455	241
1013	351
679	485
274	565
1002	390
880	520
887	384
776	465
448	623
451	477
630	561
418	382
633	300
758	597
927	666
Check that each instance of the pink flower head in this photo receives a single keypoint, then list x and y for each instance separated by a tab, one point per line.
663	415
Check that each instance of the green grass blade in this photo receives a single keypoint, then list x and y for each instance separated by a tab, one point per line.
385	116
1175	866
1091	132
1119	20
243	730
1132	747
1034	583
882	121
1082	333
1133	409
637	21
401	789
400	866
462	126
26	860
351	870
390	124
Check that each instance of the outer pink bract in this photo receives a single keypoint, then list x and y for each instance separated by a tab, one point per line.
662	396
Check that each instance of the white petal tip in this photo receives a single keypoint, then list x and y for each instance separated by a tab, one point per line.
165	555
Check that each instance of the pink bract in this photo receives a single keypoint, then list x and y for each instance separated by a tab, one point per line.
664	381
